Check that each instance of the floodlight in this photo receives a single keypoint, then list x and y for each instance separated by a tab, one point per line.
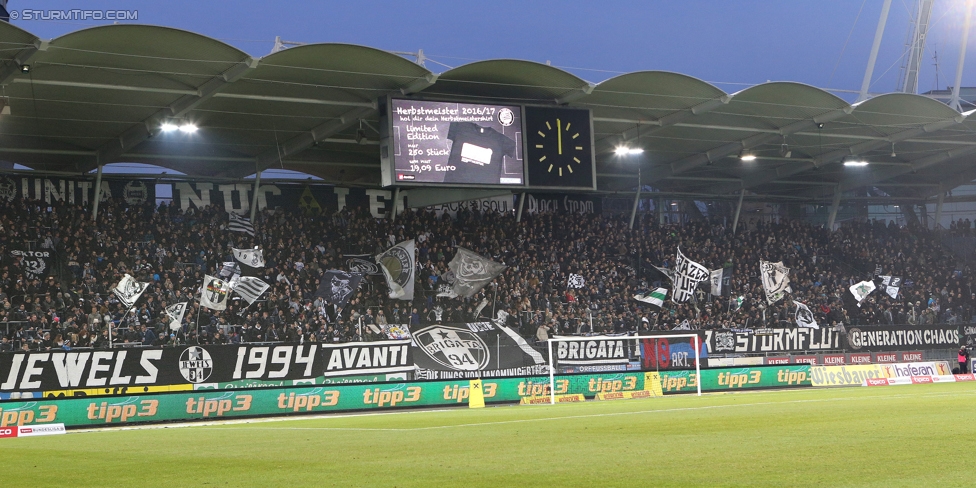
624	151
747	157
188	128
855	162
168	127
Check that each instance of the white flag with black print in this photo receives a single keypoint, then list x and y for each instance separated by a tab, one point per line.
250	257
683	325
214	293
655	297
472	272
687	275
804	317
129	290
575	281
176	312
775	280
715	279
250	288
239	224
398	265
862	290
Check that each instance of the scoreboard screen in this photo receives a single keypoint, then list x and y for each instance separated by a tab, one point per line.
451	143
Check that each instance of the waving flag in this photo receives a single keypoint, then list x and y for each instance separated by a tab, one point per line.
398	266
129	290
239	224
472	272
176	312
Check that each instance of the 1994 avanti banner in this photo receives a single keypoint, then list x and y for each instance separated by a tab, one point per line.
467	350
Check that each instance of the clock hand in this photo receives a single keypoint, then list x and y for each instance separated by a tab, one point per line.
559	133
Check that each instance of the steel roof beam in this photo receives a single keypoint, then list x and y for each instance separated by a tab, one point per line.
575	94
630	135
139	133
714	154
332	127
24	56
787	170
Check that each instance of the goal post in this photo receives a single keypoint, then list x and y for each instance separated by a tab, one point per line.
597	351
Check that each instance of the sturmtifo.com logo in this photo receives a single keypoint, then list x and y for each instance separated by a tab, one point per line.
74	14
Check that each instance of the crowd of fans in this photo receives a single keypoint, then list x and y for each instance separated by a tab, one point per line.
71	304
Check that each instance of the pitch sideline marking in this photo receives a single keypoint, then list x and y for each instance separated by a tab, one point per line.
567	417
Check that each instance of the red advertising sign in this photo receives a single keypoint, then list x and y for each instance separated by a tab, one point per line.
886	357
861	358
834	359
907	357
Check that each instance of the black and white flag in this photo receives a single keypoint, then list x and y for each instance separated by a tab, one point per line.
229	269
890	285
214	293
687	275
239	224
472	272
398	265
129	290
575	281
250	288
775	280
176	312
804	317
249	257
715	278
362	263
337	287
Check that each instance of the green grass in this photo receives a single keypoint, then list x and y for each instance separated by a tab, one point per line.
896	436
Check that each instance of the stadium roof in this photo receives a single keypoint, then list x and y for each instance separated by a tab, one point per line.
100	95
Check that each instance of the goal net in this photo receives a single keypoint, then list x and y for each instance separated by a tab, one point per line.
583	364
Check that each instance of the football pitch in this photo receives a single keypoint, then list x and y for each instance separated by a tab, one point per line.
920	435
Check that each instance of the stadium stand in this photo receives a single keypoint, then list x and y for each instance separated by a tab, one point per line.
174	249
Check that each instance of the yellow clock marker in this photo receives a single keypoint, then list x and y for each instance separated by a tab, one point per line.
548	126
560	171
538	146
575	135
579	148
559	134
542	134
576	159
543	158
567	126
550	168
570	168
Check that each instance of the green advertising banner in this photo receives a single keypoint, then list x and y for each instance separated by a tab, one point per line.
726	379
321	398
